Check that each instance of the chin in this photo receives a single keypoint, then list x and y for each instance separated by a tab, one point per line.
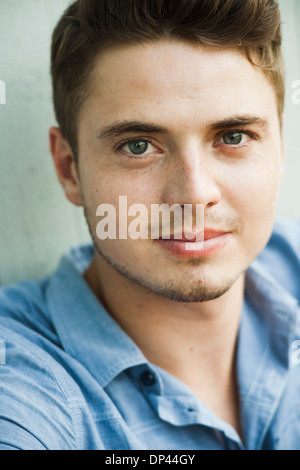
198	293
175	290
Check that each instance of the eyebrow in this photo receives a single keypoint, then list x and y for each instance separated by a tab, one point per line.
126	127
239	121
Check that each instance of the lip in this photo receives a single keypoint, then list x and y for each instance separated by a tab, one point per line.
210	243
192	237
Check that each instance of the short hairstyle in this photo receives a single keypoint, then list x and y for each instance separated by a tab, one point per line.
252	27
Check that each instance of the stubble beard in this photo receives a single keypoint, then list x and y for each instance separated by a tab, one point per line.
177	291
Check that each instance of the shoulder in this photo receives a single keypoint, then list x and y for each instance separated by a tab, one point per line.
24	304
39	398
287	233
35	407
281	256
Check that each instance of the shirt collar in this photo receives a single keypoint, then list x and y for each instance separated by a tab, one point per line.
87	332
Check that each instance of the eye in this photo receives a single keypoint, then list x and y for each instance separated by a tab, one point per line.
234	138
138	147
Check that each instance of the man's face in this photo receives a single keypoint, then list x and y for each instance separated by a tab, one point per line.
205	131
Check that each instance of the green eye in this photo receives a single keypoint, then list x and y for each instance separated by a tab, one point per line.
233	138
138	147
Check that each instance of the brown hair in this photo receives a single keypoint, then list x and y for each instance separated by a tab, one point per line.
87	26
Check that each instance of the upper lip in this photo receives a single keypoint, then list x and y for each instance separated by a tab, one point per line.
192	237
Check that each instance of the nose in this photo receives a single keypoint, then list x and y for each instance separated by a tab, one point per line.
192	179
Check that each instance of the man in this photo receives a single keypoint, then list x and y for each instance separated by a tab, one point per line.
153	342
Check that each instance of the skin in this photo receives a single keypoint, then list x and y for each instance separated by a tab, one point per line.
183	313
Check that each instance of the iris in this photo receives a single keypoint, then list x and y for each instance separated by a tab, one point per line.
138	147
233	138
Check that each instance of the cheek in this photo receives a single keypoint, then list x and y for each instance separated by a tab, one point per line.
109	187
254	184
253	196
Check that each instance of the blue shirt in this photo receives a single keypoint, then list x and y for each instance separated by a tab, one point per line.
71	378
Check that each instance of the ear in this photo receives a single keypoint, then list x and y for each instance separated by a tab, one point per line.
65	166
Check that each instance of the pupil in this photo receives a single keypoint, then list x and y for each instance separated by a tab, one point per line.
235	138
138	147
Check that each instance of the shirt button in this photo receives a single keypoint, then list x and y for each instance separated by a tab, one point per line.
147	378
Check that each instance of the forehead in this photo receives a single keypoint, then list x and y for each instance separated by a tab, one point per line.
174	81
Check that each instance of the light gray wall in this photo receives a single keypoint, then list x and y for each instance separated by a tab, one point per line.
37	223
289	202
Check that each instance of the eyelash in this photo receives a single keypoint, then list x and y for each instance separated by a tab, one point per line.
250	134
119	147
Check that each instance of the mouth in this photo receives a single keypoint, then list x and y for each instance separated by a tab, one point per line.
189	245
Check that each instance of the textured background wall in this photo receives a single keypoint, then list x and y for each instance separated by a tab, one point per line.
36	222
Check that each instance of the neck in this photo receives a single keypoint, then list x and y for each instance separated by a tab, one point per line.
189	340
